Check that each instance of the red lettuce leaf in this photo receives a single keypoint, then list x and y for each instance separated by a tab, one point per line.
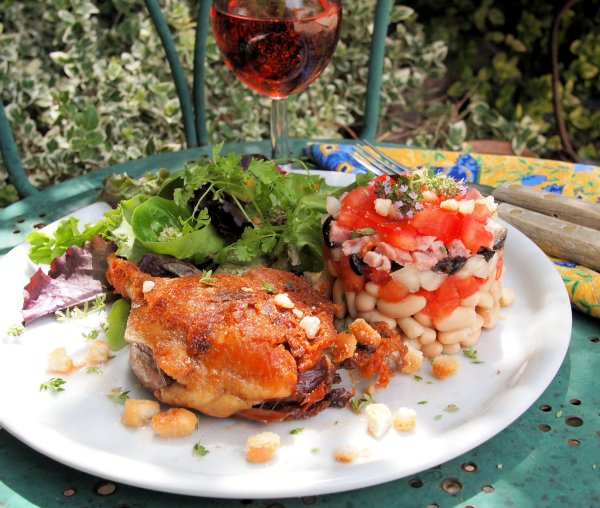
73	278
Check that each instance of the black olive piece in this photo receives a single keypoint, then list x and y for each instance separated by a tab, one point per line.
396	266
367	348
486	253
450	265
326	229
499	238
356	264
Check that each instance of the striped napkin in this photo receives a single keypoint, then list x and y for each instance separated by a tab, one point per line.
576	180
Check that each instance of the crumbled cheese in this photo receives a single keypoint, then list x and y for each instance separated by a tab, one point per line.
147	286
382	206
405	419
449	204
429	195
283	300
297	312
247	290
466	206
311	325
333	206
489	202
379	419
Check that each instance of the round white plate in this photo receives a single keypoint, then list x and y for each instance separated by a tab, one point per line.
81	426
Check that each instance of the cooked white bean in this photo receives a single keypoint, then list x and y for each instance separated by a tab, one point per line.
424	319
377	317
431	280
428	336
365	302
461	317
451	349
478	323
496	290
490	316
472	300
372	289
409	277
351	303
471	339
486	301
432	349
408	306
338	298
413	344
453	336
411	327
507	296
331	268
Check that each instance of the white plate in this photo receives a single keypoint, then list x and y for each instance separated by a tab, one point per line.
81	426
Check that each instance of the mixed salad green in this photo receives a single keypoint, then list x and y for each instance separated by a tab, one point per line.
229	211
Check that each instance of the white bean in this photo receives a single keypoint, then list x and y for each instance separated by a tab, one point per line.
490	316
507	296
451	349
338	298
472	300
411	327
461	317
496	290
424	319
372	289
486	301
428	336
351	303
412	344
377	317
453	336
408	306
365	302
471	339
432	349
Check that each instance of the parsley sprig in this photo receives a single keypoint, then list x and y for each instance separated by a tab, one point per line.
358	403
53	384
98	304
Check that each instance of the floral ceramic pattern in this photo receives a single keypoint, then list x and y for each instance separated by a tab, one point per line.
578	180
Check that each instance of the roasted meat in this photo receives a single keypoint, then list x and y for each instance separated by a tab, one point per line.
252	345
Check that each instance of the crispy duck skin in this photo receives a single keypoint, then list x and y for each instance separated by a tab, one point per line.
224	344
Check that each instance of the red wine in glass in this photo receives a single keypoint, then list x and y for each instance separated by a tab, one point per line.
277	47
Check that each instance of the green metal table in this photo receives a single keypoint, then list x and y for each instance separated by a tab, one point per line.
550	456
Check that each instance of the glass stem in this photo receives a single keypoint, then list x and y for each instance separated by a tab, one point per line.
279	129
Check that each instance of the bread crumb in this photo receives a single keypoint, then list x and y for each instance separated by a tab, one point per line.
98	352
444	366
175	422
59	362
507	296
139	412
412	361
283	300
343	347
346	453
405	419
262	447
379	419
365	334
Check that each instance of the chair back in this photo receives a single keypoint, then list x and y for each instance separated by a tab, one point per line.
192	102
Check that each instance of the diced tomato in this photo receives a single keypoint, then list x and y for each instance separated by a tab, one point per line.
393	291
481	213
499	266
350	279
443	224
379	277
398	234
357	210
466	286
447	297
473	234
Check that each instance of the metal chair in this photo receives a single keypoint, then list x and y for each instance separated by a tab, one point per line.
43	206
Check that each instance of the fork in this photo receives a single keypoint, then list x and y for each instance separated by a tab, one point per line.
379	162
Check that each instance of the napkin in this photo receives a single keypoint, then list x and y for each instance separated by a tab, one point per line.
576	180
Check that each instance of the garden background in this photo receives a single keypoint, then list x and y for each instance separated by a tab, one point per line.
86	83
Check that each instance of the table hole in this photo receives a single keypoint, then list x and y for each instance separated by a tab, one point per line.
39	225
309	500
515	211
415	483
575	402
595	340
276	505
16	231
574	421
433	505
246	501
488	489
570	227
20	220
105	488
452	485
545	408
544	427
574	442
42	215
469	467
69	492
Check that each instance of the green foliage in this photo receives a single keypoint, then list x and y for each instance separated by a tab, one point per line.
86	82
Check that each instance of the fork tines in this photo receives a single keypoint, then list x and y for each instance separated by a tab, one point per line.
379	162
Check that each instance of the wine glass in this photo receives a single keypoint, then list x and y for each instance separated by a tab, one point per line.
277	48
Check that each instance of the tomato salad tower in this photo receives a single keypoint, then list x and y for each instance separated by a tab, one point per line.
419	251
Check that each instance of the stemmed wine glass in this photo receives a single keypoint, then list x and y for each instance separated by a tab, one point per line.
277	48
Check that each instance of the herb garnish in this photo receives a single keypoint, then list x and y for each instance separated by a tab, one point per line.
358	403
406	190
200	450
269	288
207	278
54	384
357	233
94	370
297	430
472	355
85	310
119	395
451	408
15	330
92	334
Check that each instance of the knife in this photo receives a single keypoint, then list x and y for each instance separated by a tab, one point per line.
564	227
